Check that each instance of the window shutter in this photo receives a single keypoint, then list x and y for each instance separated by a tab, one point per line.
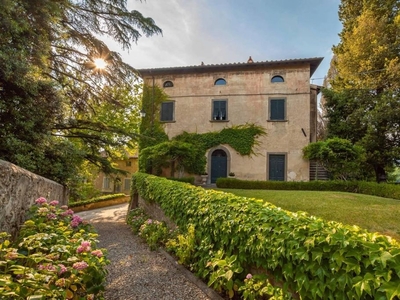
167	111
277	109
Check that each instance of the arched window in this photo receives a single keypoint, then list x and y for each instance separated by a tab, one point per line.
220	81
277	78
168	84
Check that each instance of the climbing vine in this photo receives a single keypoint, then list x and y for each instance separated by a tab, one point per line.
187	150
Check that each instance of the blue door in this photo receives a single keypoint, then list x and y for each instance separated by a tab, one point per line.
218	165
276	167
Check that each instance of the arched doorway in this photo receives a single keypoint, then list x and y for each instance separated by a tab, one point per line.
219	164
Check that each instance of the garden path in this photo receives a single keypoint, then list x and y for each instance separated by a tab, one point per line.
136	272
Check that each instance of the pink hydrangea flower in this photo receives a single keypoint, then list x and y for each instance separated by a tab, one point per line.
51	216
62	269
80	265
54	203
76	220
68	212
249	276
97	253
40	201
64	207
84	247
149	221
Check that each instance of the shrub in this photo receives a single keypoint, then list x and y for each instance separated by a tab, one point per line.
361	187
136	217
305	255
183	179
154	232
54	257
95	200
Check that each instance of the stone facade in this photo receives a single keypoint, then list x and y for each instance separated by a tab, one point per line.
251	93
120	183
19	189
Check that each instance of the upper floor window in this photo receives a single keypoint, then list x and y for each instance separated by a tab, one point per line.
220	110
167	111
277	78
168	84
128	163
220	81
277	109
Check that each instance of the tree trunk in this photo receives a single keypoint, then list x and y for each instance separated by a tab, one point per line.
380	173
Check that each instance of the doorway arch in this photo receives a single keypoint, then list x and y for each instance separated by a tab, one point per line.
219	164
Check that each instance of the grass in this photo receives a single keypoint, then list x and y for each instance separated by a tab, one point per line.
373	213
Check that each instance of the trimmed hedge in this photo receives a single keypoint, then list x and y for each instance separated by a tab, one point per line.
183	179
306	255
385	190
95	200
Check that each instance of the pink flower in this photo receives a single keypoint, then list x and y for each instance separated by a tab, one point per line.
249	276
54	203
62	269
80	265
76	220
149	221
40	200
97	253
85	244
64	207
84	247
51	216
67	213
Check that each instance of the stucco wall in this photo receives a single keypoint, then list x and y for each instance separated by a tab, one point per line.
19	189
248	95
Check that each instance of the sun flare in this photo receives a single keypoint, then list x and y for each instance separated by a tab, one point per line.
100	63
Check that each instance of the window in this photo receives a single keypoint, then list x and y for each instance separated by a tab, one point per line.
128	163
167	111
220	81
277	109
168	84
219	112
106	183
277	79
127	184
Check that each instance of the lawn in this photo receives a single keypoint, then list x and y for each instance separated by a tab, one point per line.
375	214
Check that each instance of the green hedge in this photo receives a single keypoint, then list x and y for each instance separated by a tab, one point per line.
309	256
385	190
95	200
183	179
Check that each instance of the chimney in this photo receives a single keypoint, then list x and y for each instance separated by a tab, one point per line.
250	60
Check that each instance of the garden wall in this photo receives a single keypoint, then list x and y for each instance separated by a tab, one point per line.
19	189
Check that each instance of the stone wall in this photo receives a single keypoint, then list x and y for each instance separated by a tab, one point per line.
19	189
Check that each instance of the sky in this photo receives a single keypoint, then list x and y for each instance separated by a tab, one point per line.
229	31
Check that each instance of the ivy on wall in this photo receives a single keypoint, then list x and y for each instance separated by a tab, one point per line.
187	150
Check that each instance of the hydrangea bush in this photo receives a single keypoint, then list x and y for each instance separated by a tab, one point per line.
54	257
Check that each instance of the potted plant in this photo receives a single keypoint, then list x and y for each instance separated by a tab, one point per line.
204	177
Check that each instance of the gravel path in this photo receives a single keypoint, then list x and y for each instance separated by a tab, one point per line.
136	272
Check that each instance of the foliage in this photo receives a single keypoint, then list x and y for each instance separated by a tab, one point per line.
222	271
183	179
183	246
187	150
136	218
54	257
55	105
360	187
154	232
96	199
259	287
338	156
363	104
306	255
